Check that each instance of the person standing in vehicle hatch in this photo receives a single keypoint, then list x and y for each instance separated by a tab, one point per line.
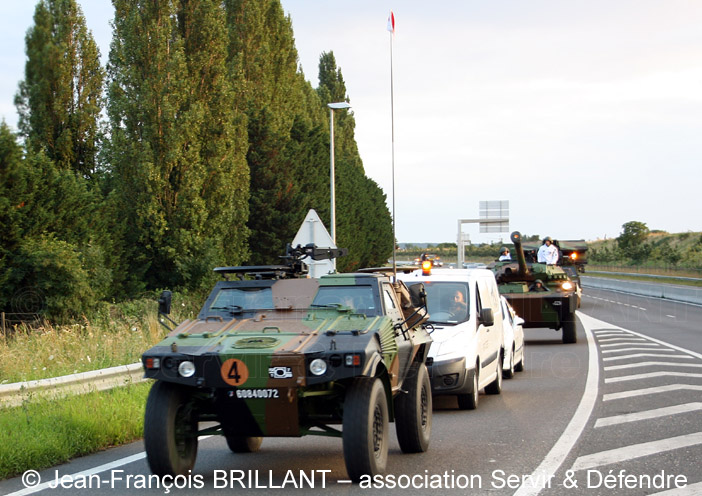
548	253
504	254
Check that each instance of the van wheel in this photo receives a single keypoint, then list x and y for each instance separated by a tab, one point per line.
509	373
365	428
495	387
413	411
521	365
470	401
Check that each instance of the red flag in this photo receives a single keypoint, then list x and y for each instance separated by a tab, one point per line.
391	22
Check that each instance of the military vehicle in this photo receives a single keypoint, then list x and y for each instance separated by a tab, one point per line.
572	258
543	295
273	353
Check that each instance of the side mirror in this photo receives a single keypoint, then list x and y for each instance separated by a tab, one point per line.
518	321
164	302
486	317
418	295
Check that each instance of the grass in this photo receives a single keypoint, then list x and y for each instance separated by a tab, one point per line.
42	433
117	335
643	278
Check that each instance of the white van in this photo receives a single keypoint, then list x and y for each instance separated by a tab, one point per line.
468	349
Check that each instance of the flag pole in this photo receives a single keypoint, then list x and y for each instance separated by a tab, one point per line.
391	28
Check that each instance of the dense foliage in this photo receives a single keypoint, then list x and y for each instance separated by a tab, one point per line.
214	149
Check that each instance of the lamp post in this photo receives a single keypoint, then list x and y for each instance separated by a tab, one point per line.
332	107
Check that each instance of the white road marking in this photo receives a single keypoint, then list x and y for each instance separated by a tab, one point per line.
639	355
654	345
636	451
609	340
689	490
671	316
650	375
650	364
624	350
570	436
84	474
651	390
648	414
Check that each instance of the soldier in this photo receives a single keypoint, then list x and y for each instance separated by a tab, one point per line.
504	254
538	286
548	253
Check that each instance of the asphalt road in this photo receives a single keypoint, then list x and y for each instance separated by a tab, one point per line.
626	397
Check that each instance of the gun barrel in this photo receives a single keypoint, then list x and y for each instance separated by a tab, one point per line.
516	238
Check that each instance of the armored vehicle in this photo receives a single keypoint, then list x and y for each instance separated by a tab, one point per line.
273	353
543	295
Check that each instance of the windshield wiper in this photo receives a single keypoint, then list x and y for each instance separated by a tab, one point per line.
233	309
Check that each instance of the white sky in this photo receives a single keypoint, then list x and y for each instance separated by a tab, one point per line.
583	114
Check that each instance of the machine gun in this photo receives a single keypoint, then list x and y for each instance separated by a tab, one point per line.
292	267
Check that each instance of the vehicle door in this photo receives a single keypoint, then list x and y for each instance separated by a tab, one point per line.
490	338
392	310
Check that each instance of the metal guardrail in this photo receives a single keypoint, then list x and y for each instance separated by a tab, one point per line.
641	274
686	294
84	382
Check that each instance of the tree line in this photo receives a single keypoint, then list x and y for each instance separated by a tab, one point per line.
199	144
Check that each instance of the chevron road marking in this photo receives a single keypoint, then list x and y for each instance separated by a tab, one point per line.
650	375
636	451
649	364
650	390
654	355
648	414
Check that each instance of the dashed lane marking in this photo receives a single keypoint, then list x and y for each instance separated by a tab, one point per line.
648	414
634	451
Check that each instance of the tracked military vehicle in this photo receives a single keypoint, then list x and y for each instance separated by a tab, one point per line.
543	295
273	353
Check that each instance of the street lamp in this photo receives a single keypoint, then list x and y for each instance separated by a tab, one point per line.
332	108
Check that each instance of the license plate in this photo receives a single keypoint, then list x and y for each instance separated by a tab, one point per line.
263	393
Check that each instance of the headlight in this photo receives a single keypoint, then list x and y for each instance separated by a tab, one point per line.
186	369
567	286
318	366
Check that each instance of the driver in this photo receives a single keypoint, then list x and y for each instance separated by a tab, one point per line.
459	307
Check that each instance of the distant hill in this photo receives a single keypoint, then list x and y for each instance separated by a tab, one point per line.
677	249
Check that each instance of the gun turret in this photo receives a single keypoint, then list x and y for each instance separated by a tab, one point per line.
516	238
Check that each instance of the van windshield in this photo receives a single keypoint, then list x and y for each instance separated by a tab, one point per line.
447	302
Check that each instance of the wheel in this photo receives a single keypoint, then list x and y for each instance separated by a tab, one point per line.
569	335
413	411
470	401
521	365
495	387
365	428
241	444
509	373
170	430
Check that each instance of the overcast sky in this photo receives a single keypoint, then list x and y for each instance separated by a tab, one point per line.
584	115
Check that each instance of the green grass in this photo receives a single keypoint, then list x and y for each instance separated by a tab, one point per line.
42	433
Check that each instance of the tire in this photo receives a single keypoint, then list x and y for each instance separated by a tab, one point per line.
569	334
509	373
365	428
170	430
413	411
495	387
470	401
522	363
241	444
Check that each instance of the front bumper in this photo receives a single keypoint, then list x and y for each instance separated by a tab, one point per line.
449	376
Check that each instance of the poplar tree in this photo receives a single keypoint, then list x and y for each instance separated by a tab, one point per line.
264	64
177	144
60	100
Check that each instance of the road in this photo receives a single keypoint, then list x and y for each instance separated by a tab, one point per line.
627	397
